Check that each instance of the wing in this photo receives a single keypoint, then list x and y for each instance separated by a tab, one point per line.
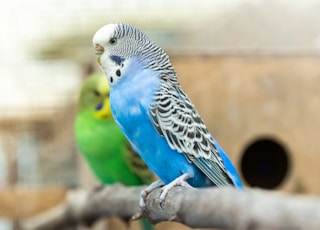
175	118
137	165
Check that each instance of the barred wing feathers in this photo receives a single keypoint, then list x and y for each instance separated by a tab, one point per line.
176	119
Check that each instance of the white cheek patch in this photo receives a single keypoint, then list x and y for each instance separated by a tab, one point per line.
112	70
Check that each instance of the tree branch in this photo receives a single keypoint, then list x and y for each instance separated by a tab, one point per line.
201	208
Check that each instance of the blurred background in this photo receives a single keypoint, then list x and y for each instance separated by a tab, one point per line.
252	69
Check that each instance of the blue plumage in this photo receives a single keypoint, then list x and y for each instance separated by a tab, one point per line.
132	114
155	114
231	171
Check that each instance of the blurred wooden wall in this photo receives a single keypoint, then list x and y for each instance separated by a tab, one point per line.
245	98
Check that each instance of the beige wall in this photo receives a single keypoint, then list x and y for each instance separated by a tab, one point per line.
243	98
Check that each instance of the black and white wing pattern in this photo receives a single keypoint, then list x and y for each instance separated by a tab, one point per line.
175	118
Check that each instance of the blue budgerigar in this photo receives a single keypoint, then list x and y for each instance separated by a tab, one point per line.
156	115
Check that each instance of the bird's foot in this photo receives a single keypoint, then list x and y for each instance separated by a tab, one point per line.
144	193
179	181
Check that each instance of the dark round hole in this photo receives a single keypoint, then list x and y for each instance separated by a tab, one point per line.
265	164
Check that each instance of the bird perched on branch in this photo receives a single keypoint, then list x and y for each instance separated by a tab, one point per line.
156	115
101	142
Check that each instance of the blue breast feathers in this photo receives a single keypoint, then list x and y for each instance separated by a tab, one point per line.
131	99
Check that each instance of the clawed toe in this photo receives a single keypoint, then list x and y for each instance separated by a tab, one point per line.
145	192
180	181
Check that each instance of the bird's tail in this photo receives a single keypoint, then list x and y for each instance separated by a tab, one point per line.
146	225
231	170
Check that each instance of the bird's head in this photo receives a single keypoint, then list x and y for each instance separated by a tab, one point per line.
117	44
94	96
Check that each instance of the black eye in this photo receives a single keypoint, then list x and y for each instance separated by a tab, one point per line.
113	41
96	93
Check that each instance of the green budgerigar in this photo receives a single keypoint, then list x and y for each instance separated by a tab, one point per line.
100	140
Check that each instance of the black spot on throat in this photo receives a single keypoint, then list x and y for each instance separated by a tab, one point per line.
118	72
111	79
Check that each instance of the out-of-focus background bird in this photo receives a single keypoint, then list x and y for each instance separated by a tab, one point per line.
101	142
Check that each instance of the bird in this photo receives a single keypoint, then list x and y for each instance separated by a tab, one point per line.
156	115
102	143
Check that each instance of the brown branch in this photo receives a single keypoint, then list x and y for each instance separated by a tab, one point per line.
202	208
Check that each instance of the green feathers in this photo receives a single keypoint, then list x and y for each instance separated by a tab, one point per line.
101	141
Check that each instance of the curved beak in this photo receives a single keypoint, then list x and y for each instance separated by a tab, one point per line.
99	51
